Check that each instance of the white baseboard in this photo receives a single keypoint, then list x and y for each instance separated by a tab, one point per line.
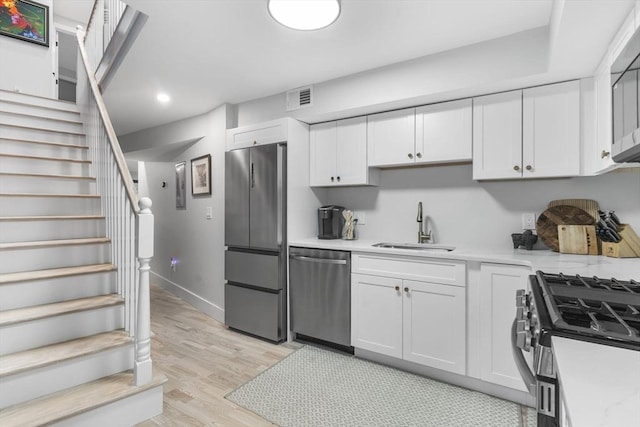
197	301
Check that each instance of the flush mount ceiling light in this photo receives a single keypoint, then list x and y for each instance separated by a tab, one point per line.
305	15
163	98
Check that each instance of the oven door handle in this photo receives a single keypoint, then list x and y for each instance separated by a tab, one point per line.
525	372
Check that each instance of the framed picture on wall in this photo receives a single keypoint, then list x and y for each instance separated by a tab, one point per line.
25	20
181	185
201	175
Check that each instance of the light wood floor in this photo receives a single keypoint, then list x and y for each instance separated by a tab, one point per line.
203	361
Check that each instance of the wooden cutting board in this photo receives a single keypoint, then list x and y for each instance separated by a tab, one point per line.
578	239
589	206
548	221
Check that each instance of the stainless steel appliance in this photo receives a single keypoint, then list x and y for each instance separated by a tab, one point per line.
602	311
320	287
330	222
255	234
626	114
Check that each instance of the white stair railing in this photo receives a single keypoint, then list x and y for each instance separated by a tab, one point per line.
129	221
102	25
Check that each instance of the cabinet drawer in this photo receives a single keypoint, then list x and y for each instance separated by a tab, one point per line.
445	271
254	311
265	133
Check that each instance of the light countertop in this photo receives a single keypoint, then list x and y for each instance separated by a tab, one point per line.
545	260
600	384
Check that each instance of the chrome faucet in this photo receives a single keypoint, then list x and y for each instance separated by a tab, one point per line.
422	238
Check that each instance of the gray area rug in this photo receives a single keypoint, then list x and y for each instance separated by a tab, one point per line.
316	387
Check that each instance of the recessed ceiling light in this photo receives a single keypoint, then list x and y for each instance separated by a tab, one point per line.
304	15
163	98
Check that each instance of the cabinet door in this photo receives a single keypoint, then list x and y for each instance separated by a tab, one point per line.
259	134
376	314
497	136
322	154
351	151
551	130
598	158
434	319
497	311
391	138
443	132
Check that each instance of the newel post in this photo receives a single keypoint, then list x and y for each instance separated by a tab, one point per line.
144	228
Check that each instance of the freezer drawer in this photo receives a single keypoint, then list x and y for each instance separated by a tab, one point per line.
253	311
255	269
320	294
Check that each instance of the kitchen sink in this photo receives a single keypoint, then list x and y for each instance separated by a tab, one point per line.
415	246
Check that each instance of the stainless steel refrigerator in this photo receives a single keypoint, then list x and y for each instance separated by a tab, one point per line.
255	236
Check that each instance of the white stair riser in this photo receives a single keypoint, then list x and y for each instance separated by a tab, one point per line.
15	132
15	260
36	383
47	291
39	123
43	150
33	100
30	206
124	412
28	231
51	330
35	110
29	184
26	165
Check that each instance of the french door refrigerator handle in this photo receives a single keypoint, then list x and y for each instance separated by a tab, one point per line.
527	376
253	178
319	260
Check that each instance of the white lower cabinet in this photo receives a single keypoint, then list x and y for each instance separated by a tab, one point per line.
418	321
499	284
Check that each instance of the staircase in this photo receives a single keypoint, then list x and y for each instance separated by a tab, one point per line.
66	354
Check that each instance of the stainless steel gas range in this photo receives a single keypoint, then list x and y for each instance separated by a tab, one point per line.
601	311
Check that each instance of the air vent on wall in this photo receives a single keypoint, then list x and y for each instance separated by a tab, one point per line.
299	98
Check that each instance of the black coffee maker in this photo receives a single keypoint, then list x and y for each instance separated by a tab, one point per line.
330	222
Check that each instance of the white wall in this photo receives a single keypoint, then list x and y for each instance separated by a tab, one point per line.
28	67
197	242
482	214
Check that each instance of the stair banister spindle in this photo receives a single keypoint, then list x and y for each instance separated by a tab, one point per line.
143	372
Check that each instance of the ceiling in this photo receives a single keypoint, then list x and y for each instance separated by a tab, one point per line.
206	53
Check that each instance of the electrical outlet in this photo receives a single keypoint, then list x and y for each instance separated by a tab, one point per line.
528	221
209	212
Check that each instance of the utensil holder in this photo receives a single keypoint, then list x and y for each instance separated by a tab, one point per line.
628	247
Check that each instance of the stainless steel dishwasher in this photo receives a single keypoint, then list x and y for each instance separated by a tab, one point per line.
320	292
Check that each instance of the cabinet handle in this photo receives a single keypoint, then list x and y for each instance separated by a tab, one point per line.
604	154
410	155
406	290
397	288
338	179
419	155
516	168
529	167
331	179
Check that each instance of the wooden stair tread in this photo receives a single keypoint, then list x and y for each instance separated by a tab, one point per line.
88	196
27	314
57	144
74	401
50	217
44	356
29	95
46	175
66	132
34	116
53	273
74	111
53	159
50	243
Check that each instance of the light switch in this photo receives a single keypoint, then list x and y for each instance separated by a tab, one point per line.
209	212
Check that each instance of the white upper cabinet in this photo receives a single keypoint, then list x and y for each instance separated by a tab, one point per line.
497	136
444	132
551	130
263	133
391	138
338	154
533	133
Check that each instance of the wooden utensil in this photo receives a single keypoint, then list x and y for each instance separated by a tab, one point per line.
548	221
578	239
